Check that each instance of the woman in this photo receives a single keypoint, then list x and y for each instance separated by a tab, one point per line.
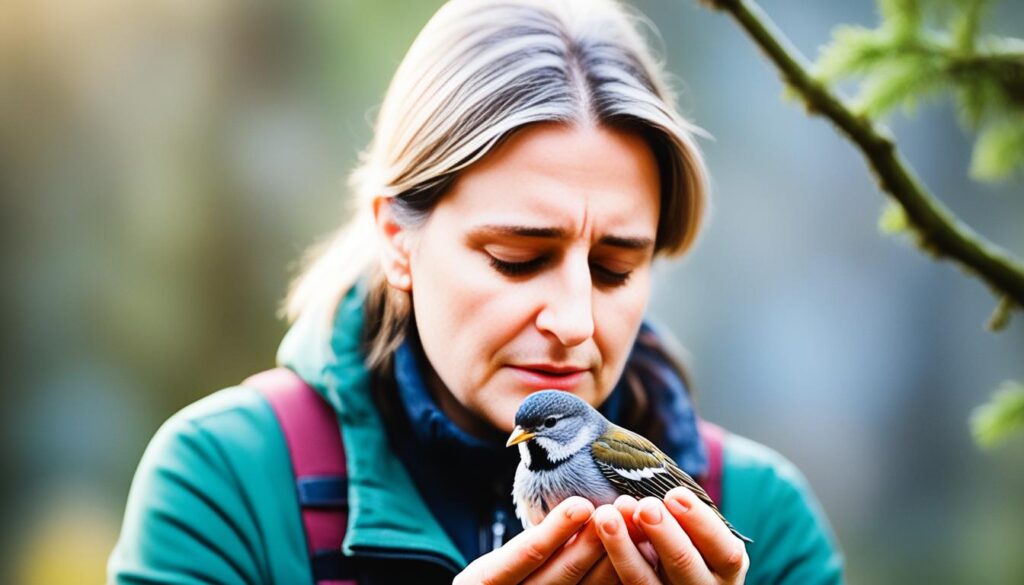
527	166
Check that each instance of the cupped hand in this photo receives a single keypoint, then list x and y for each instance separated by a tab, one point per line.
691	543
554	551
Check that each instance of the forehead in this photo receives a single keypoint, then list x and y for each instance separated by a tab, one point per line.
588	180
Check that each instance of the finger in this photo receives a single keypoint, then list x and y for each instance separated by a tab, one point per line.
626	504
680	560
724	554
628	562
650	555
572	562
603	573
527	551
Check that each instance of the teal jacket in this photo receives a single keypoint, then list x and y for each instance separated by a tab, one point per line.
213	499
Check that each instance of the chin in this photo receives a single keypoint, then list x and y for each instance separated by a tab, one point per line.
501	413
505	428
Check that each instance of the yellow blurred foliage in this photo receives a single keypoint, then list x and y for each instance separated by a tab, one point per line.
70	543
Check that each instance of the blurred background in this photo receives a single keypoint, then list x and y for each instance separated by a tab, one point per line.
165	163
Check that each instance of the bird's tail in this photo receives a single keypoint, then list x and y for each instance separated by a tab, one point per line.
736	533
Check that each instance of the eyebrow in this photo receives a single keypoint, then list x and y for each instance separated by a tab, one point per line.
557	233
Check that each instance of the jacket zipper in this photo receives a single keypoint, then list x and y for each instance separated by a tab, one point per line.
498	529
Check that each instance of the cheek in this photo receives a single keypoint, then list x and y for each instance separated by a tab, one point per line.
465	312
617	317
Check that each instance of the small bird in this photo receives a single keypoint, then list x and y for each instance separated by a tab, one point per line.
567	448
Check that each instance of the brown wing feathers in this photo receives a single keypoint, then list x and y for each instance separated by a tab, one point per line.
621	450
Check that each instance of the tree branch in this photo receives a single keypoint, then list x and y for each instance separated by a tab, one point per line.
939	231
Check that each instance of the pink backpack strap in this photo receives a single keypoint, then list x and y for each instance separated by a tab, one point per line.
713	436
311	430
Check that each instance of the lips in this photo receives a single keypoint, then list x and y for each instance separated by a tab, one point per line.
552	368
546	376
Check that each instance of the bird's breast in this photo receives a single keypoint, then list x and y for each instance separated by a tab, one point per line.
576	476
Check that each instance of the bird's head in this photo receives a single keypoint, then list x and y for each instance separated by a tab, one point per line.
558	422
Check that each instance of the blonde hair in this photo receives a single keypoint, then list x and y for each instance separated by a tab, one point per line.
478	71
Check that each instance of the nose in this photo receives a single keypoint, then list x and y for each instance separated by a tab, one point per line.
568	312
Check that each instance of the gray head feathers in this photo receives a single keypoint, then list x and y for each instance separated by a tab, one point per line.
541	405
559	422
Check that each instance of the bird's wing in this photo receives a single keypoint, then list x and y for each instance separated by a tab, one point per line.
637	468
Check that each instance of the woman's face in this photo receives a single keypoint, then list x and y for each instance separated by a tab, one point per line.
534	271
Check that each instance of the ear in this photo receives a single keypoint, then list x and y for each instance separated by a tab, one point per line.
395	245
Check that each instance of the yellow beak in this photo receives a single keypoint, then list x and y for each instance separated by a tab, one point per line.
518	436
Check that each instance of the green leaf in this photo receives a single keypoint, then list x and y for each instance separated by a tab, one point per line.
977	98
893	219
903	82
854	50
1002	416
903	17
964	24
999	149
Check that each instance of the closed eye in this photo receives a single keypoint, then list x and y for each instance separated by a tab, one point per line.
518	268
610	277
603	275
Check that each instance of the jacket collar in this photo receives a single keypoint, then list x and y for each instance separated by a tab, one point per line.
386	512
437	435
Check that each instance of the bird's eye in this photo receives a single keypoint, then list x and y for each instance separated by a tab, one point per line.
550	421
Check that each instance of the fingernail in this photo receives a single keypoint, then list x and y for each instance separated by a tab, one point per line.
624	499
650	513
676	507
610	526
578	513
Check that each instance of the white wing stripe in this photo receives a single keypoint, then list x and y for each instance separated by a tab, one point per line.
638	474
